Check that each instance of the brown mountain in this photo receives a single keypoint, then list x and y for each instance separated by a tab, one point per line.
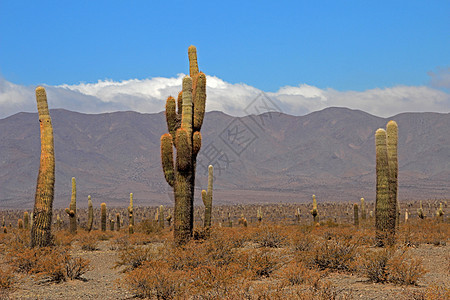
271	157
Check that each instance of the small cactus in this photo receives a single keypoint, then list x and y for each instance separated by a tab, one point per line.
420	213
72	210
26	221
259	214
406	216
117	222
314	211
130	211
20	224
355	215
111	224
169	217
440	212
207	198
103	216
363	209
297	215
90	214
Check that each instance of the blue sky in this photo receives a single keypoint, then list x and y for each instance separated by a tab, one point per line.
346	46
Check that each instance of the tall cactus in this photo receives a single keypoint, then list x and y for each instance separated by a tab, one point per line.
131	216
184	121
314	211
385	206
117	222
43	201
207	198
392	152
103	216
72	210
355	215
363	209
90	214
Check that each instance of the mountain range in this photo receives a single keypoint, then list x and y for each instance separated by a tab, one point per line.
261	158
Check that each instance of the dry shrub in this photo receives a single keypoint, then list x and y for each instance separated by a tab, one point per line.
335	254
133	257
296	273
88	241
8	282
260	262
154	280
387	265
76	267
270	236
63	238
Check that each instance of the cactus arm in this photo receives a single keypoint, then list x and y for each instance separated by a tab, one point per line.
172	118
43	203
167	159
196	143
193	64
199	94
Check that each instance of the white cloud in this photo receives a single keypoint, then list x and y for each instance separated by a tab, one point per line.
149	95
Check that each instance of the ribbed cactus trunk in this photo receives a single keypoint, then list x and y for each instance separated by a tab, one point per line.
207	198
43	201
26	221
103	216
391	144
314	211
184	121
117	222
72	210
385	206
363	209
355	215
90	214
131	216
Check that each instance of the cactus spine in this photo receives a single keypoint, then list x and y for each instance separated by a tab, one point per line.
103	216
184	121
385	206
131	216
72	210
43	201
207	198
314	211
90	214
355	215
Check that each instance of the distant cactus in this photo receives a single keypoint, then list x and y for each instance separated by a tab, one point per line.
314	211
58	222
297	215
90	214
169	217
161	216
103	216
26	221
386	205
440	212
259	214
43	202
184	121
355	215
406	216
230	221
207	198
130	211
111	224
363	209
117	222
20	224
420	213
72	210
130	229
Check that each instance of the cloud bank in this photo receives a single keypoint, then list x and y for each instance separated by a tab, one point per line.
149	95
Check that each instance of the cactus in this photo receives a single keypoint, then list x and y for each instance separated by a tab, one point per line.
31	220
26	221
386	206
5	230
58	222
297	215
314	211
355	215
169	217
259	214
161	216
363	209
130	211
207	198
90	214
103	216
43	201
184	124
440	212
20	224
391	144
111	224
72	210
420	213
117	222
130	229
406	216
